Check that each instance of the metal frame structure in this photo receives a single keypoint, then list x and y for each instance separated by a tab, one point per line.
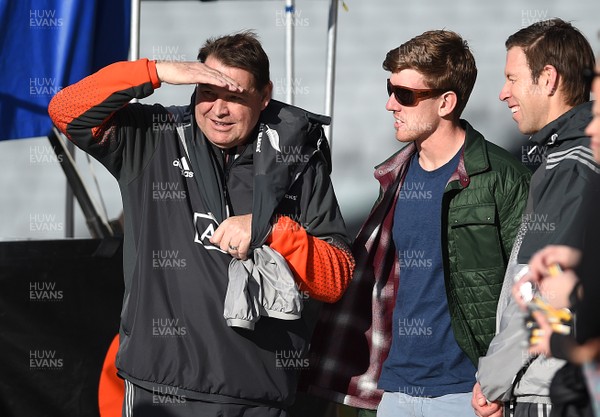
289	53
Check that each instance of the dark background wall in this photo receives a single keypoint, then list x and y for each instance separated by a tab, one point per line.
60	303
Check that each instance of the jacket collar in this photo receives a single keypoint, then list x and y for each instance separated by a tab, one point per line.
473	160
570	124
283	143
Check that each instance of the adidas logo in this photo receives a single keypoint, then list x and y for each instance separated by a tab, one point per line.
184	167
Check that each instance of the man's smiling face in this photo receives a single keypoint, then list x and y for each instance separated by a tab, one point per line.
526	100
228	118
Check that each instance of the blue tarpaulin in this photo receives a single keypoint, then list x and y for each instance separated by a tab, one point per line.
49	44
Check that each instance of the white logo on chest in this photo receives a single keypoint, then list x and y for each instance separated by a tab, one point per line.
205	225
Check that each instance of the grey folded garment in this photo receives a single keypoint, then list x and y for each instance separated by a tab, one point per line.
262	286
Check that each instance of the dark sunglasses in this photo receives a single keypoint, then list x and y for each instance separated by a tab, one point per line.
411	96
589	75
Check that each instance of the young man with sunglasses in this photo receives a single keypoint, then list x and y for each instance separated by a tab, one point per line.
548	97
432	254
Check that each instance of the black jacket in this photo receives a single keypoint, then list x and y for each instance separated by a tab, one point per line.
563	189
173	335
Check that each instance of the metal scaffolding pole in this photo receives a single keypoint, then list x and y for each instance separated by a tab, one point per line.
134	31
330	79
289	50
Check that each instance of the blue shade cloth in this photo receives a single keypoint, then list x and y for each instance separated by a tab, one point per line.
49	44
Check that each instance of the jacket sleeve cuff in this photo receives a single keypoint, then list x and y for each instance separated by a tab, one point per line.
156	83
